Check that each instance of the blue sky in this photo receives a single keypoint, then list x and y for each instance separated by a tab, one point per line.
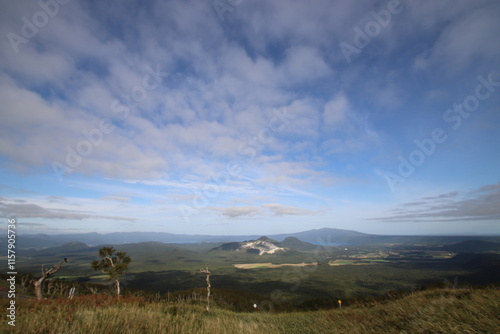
250	117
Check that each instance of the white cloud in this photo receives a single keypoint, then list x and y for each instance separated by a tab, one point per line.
303	64
286	174
236	211
115	198
335	111
466	37
281	210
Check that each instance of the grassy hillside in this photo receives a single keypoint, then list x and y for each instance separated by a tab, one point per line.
433	311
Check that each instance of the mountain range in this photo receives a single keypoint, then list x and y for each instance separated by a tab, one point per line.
324	236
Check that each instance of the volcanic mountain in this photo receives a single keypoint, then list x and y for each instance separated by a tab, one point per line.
263	245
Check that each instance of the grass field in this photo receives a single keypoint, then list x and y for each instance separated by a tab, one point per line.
270	265
347	263
433	311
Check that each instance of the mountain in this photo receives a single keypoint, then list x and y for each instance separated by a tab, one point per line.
296	244
261	246
473	246
67	250
333	236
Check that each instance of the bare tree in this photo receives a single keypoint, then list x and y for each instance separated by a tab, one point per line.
51	288
45	274
112	263
26	281
72	292
207	272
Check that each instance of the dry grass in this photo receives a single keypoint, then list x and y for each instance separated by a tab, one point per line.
270	265
435	311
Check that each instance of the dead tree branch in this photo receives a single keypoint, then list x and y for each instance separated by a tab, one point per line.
207	272
46	273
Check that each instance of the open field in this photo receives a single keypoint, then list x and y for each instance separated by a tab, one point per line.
351	262
270	265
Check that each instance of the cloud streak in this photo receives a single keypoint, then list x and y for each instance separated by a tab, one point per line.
236	211
476	205
30	210
284	210
250	211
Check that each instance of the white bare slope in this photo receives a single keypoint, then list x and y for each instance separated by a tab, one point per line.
264	246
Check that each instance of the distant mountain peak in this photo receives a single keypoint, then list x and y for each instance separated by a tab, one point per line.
473	246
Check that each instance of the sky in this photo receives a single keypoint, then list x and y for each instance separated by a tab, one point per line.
242	117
